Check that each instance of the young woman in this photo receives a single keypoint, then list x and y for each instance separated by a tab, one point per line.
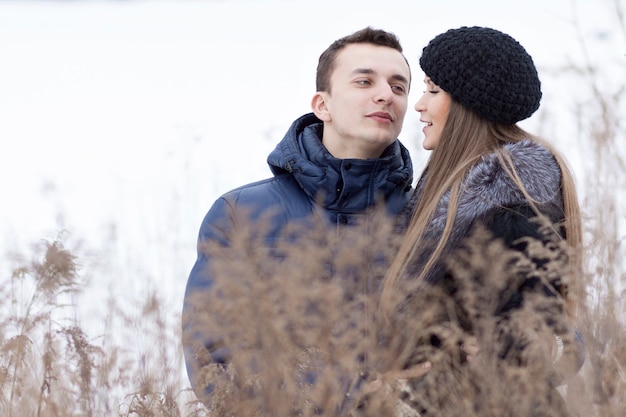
485	170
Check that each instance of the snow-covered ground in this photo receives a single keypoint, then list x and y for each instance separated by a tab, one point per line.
122	121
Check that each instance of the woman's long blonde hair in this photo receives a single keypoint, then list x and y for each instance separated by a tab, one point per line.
466	138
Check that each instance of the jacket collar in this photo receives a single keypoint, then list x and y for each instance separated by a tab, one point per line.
349	185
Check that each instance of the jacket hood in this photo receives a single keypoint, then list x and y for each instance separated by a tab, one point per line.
322	176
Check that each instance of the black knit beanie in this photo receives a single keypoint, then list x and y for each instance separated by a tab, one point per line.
485	70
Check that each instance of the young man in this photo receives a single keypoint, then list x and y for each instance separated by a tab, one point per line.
340	160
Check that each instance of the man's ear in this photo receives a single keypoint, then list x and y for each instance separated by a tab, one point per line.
320	107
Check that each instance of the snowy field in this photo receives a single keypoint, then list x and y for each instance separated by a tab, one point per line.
122	121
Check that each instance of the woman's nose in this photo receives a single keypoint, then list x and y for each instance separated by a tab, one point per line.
420	105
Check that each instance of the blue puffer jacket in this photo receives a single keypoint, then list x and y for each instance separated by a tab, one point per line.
306	178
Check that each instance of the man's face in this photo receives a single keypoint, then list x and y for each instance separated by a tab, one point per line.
365	107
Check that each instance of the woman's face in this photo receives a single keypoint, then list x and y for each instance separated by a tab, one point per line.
434	106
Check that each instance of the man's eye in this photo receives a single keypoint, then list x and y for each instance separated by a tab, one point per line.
399	88
363	82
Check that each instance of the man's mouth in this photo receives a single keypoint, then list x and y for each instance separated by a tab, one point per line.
381	115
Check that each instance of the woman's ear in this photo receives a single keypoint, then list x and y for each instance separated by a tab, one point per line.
319	105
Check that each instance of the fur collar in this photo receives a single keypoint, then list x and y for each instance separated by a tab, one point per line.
487	186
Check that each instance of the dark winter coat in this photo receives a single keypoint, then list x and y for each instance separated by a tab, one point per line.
489	196
307	179
444	315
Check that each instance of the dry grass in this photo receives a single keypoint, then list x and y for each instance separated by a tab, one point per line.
316	310
51	366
